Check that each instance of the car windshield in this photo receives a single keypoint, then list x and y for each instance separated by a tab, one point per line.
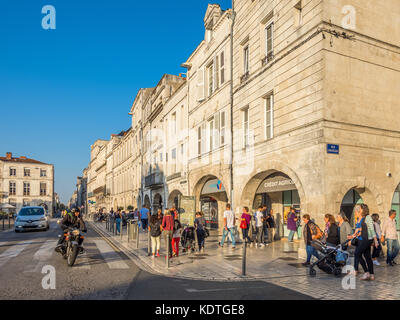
31	212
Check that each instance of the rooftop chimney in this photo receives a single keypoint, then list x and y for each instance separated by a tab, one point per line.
8	155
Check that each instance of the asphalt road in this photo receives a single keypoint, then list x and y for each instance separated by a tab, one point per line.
103	273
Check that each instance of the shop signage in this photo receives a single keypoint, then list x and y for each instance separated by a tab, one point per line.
333	148
276	183
213	186
187	209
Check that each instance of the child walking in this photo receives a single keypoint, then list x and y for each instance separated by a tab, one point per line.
176	238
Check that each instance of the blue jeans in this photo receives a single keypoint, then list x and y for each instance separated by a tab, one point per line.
118	225
225	233
144	223
392	249
311	251
245	233
265	234
291	234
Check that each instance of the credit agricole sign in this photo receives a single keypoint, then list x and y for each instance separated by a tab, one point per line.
276	183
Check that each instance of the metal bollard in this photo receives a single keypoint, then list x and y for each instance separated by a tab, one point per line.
148	243
137	236
244	258
168	248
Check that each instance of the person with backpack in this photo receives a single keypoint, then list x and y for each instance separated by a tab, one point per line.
245	225
310	232
363	237
155	235
176	237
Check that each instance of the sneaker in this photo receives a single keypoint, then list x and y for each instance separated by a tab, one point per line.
158	254
376	262
305	264
366	276
153	256
261	245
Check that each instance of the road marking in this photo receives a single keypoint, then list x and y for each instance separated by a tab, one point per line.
14	251
83	261
41	256
225	289
112	258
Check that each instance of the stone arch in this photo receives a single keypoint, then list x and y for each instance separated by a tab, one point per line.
172	197
367	190
249	189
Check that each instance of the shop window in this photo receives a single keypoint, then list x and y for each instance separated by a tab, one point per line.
396	205
269	116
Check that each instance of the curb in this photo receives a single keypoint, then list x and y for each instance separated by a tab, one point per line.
143	265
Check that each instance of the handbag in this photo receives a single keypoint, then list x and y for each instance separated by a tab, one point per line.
354	242
243	224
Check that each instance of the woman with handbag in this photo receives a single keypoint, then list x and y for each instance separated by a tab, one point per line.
363	237
245	224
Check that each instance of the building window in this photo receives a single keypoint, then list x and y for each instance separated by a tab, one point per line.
12	188
173	160
210	75
222	130
13	172
269	44
246	54
245	127
43	188
222	68
27	172
43	173
173	120
269	116
27	188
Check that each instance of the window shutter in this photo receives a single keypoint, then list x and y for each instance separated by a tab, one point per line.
200	84
215	82
216	131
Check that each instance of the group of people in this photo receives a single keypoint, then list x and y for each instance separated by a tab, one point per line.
257	229
365	241
170	227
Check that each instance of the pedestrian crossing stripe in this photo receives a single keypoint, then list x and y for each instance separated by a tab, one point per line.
13	252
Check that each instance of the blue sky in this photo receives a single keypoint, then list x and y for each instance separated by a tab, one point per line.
62	89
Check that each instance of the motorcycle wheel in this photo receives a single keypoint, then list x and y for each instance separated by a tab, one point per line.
73	253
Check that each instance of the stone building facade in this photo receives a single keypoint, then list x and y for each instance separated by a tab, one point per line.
286	103
26	182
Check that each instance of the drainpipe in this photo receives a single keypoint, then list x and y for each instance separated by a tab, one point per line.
231	93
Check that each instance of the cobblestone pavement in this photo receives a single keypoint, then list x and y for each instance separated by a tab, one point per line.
278	263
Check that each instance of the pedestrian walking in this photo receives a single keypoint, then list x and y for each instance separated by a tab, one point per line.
332	236
229	226
245	224
176	237
168	230
310	232
390	237
344	227
292	224
265	224
271	226
259	227
199	224
118	220
376	251
366	236
155	234
144	217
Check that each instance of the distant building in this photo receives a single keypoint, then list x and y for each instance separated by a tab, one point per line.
26	182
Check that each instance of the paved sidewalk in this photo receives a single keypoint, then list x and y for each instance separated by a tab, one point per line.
277	263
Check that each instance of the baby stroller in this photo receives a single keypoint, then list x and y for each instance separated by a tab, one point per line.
333	259
188	239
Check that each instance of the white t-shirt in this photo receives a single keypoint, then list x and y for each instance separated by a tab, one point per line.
259	216
230	218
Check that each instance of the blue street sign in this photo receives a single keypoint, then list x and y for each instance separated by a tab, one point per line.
332	148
